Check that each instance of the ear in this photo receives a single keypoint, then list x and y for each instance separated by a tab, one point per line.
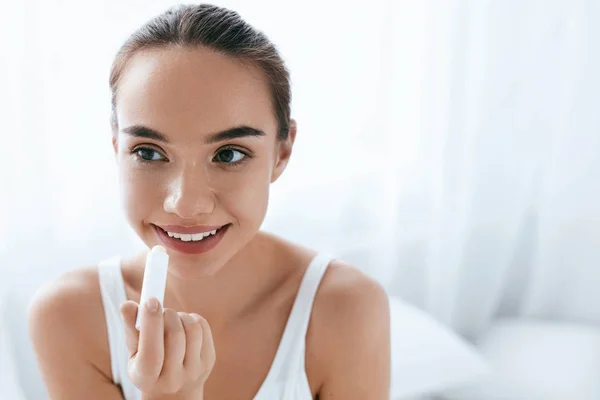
115	143
284	149
115	135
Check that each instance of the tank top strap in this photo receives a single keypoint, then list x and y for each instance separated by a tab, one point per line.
308	291
290	358
112	289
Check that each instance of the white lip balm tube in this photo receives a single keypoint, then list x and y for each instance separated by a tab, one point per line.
155	278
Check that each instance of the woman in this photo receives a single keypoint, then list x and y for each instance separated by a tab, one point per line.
201	128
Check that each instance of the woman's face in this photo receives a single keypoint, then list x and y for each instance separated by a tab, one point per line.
183	168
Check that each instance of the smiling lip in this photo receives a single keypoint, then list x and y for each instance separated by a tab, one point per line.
191	247
189	229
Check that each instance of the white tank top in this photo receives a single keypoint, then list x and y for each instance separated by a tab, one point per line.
286	379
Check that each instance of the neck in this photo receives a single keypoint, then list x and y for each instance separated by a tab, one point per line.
232	290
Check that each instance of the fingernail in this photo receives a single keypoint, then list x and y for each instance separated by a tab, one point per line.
152	304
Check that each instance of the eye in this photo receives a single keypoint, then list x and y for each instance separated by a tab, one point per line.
230	156
146	154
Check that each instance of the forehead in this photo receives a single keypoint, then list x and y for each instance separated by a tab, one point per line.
185	90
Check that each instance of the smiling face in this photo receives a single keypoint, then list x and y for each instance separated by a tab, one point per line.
197	149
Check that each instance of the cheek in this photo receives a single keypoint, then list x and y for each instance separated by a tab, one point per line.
245	196
140	191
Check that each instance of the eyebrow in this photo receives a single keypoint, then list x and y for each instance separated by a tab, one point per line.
142	131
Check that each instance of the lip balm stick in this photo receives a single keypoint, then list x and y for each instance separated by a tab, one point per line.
155	278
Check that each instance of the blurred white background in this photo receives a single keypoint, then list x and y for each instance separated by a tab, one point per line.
449	148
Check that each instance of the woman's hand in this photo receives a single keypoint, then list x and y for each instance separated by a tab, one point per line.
172	354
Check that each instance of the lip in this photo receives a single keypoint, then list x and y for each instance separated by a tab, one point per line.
191	247
189	229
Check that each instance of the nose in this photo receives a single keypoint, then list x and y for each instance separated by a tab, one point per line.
189	194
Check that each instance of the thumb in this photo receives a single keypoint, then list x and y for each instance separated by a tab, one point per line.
129	310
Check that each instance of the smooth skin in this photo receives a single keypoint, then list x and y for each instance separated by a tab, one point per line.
224	310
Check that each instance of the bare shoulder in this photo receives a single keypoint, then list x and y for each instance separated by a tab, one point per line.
348	298
345	293
71	301
67	326
349	335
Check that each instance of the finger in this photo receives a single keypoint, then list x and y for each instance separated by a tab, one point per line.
129	310
193	343
208	347
151	346
174	347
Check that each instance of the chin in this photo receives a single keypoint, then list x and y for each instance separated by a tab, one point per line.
185	268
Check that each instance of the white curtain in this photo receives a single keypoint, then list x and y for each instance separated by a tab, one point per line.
447	148
467	144
495	210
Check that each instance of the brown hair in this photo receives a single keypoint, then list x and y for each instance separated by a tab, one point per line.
216	28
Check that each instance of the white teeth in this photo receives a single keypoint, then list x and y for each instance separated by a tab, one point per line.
191	237
197	236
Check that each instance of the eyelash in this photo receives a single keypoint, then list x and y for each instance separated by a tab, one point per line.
236	164
141	160
233	165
